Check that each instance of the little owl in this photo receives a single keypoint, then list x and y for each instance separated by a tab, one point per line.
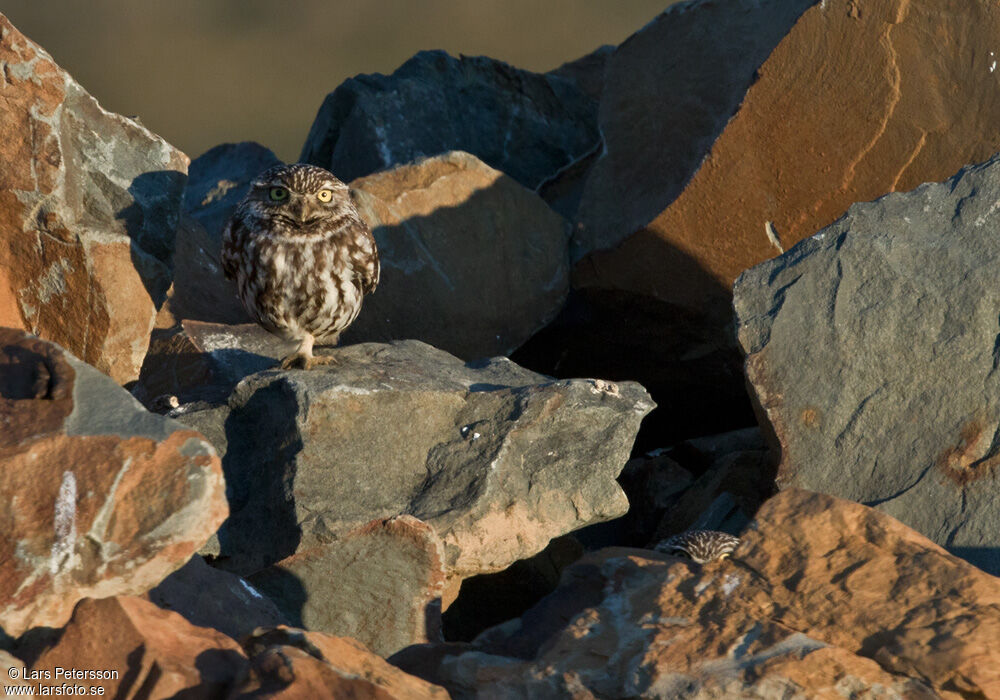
301	256
701	546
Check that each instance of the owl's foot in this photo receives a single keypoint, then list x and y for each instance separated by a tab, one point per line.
298	360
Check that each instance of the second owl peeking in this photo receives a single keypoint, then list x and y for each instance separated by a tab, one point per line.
301	256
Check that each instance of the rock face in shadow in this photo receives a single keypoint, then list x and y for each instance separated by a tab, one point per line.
381	584
472	263
209	597
527	125
103	498
89	203
219	178
823	597
872	349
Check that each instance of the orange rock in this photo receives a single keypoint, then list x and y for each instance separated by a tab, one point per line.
851	105
292	663
101	497
139	650
859	99
89	202
824	598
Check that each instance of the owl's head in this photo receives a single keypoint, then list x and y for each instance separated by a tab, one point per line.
299	196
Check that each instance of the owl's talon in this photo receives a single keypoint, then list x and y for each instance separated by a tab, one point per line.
296	360
323	360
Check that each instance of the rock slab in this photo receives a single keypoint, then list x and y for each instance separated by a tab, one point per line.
872	350
476	450
102	497
89	206
824	598
472	263
846	107
525	124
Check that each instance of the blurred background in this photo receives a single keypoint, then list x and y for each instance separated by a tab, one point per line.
205	72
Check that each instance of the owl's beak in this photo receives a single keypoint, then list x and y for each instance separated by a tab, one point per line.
297	209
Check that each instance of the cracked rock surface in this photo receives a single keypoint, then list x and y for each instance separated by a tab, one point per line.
89	205
102	497
872	349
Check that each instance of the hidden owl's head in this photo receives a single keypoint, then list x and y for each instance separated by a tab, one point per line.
300	196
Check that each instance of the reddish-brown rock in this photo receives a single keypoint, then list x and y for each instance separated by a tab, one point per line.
101	496
855	100
823	598
293	663
89	202
852	104
142	651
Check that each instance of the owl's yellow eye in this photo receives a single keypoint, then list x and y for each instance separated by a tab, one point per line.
278	194
325	195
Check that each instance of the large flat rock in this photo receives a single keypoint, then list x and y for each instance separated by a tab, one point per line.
101	497
525	124
872	350
89	205
490	460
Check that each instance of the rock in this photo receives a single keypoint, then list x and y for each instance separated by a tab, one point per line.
477	450
149	652
89	203
472	263
292	663
209	597
219	178
670	91
682	210
200	291
381	584
871	348
11	672
886	119
197	361
587	72
527	125
104	498
824	598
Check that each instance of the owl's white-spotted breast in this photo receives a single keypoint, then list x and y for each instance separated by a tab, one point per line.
301	256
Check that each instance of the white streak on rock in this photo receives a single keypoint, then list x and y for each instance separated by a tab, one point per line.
65	526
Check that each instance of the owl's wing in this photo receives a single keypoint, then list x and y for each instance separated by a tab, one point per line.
232	236
364	257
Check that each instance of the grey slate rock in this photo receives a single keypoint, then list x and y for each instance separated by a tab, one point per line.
526	124
873	351
496	458
208	597
220	177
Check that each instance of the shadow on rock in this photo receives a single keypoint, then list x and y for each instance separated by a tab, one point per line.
151	221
